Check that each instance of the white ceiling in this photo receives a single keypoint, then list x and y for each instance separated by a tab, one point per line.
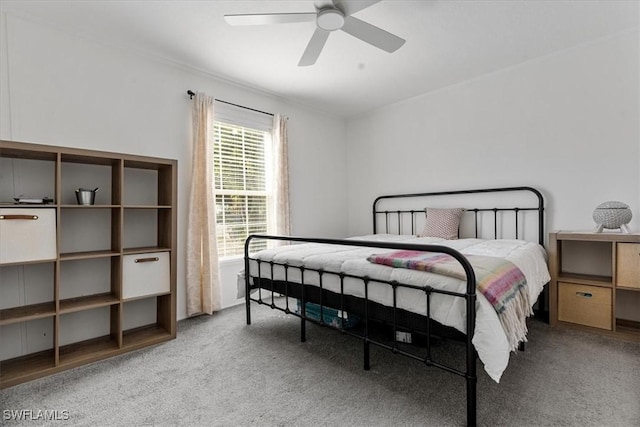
447	41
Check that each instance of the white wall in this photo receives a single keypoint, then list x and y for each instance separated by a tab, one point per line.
62	89
567	123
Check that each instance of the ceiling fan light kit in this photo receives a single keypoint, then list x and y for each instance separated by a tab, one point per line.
328	19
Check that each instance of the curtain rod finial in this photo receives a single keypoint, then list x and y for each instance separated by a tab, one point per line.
190	93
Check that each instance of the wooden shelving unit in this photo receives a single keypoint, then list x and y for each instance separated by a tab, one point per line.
591	295
134	214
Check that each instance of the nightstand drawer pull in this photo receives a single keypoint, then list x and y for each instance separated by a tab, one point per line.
153	259
584	294
19	217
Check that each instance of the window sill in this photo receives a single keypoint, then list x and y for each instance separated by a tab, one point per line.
231	260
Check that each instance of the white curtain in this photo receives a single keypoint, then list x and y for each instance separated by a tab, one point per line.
279	218
203	278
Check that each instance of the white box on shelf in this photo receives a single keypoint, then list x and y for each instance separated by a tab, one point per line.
145	274
27	235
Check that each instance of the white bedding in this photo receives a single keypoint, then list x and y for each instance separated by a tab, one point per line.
489	339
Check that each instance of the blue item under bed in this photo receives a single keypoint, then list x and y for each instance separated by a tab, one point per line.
330	316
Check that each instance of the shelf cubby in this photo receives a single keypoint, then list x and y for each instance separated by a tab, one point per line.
40	166
141	186
140	228
136	324
25	368
81	325
87	351
27	292
148	334
90	173
41	330
89	276
89	230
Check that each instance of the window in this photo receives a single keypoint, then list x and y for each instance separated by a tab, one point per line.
240	170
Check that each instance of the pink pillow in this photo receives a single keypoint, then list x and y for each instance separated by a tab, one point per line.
442	223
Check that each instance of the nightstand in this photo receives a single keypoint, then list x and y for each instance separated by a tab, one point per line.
595	282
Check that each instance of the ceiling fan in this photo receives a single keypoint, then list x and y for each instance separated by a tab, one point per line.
332	17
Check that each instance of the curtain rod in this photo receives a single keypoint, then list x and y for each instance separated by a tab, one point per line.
192	94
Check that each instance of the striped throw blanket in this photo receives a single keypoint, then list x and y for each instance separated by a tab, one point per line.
499	280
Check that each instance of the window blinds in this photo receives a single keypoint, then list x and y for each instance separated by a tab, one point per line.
240	170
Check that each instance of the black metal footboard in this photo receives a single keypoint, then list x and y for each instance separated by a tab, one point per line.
362	306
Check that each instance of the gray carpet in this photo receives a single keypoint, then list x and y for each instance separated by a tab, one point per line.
220	372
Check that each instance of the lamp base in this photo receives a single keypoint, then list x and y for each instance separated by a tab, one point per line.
623	229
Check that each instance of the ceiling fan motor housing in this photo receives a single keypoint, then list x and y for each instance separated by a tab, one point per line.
331	19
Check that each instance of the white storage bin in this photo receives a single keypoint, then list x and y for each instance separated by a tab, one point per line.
27	234
145	274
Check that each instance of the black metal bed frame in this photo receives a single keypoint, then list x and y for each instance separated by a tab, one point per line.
395	317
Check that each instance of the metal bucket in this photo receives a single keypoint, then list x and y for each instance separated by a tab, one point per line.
85	196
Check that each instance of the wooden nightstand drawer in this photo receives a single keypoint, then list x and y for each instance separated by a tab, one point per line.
584	305
628	265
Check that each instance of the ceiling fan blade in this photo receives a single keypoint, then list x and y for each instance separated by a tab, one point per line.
269	18
371	34
312	52
350	7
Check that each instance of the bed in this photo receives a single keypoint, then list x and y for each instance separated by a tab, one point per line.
467	273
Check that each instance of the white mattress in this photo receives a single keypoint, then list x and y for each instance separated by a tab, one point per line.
489	339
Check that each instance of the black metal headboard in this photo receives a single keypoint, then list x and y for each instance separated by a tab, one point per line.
404	216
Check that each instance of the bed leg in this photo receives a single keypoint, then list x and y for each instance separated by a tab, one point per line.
471	401
247	286
367	365
521	346
303	329
248	308
472	381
